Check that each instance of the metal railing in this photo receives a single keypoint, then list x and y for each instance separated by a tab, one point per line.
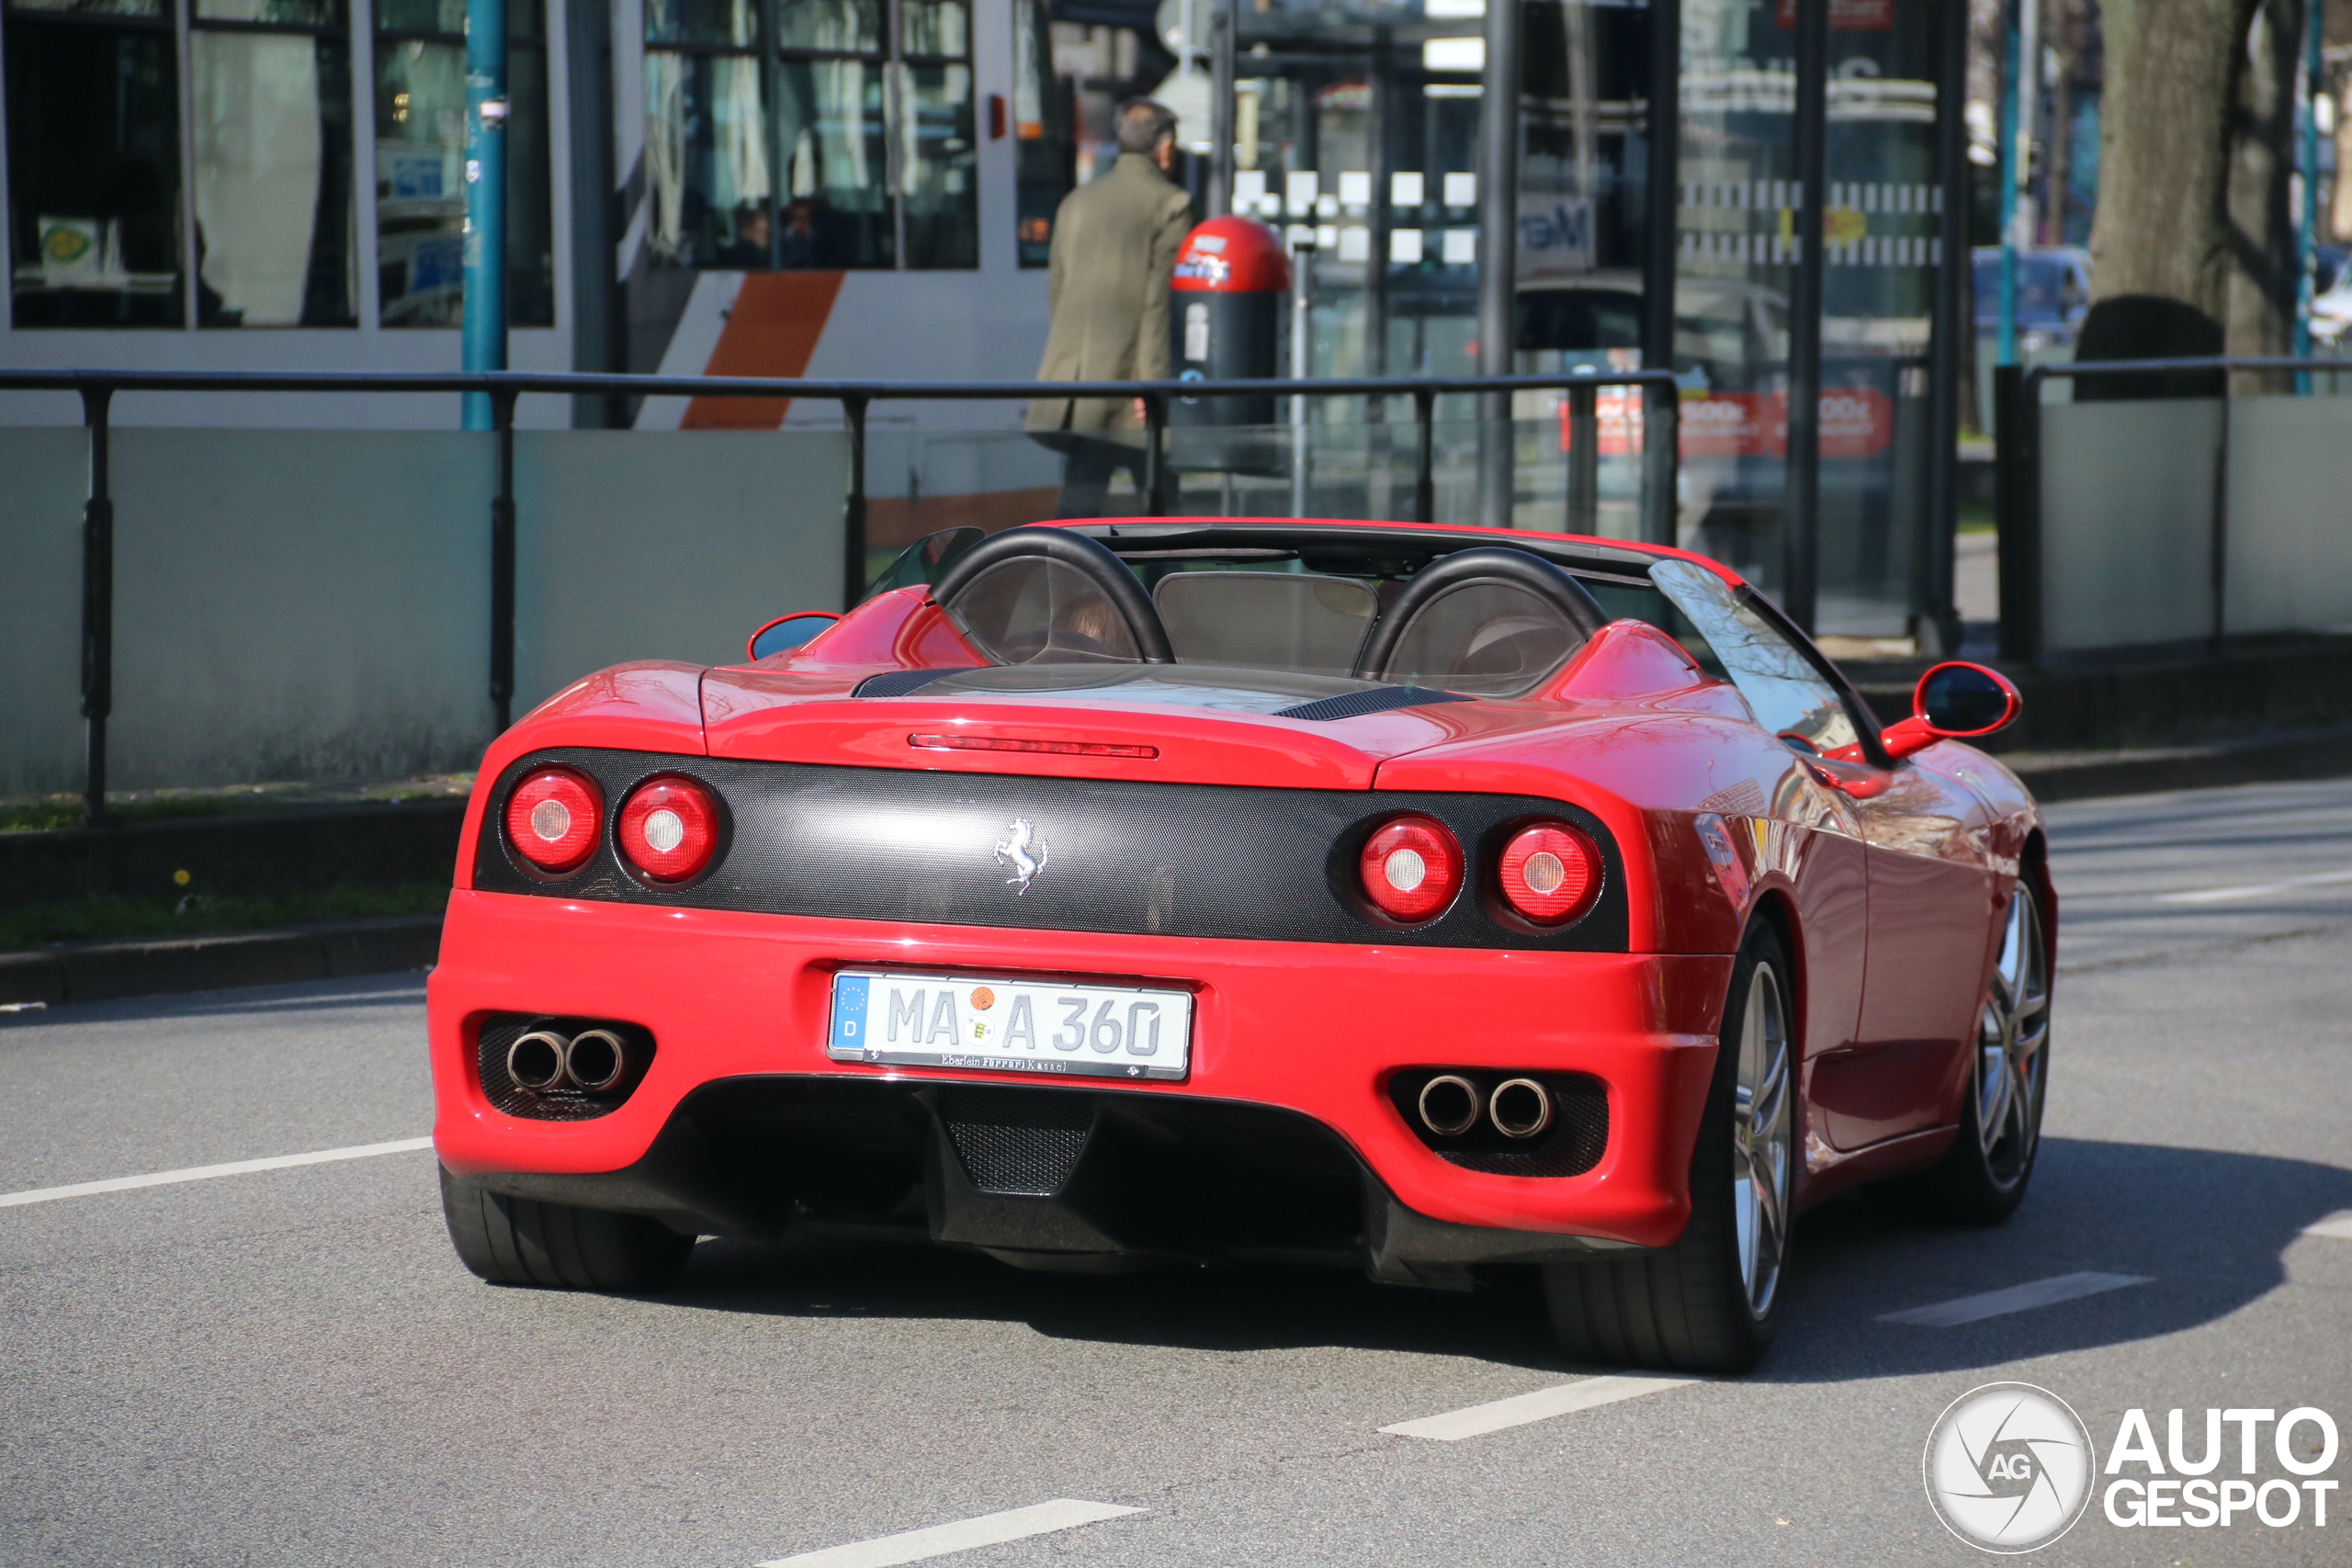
2017	450
96	389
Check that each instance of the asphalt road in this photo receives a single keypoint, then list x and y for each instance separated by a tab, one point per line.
290	1366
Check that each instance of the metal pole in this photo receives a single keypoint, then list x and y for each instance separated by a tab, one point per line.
1661	254
588	52
1302	361
2015	150
2016	509
502	563
97	607
1221	108
1424	470
1662	458
1497	257
2221	542
1932	605
1799	535
2307	221
485	247
853	540
1378	122
1584	461
1155	454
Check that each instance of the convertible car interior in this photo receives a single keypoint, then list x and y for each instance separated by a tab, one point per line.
1264	618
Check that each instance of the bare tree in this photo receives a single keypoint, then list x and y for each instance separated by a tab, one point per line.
2193	249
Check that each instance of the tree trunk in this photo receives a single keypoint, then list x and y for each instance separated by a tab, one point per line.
2161	253
2262	231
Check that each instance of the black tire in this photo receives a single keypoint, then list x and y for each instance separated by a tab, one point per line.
517	1241
1981	1180
1688	1307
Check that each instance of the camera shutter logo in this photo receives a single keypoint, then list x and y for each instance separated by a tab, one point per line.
2009	1467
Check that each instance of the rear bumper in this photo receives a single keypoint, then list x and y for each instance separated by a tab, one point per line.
742	1124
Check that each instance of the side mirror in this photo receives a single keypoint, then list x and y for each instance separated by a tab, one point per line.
1953	702
788	632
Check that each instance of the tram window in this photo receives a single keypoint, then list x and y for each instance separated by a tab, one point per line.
420	69
836	161
94	166
939	153
270	116
868	160
1045	145
707	159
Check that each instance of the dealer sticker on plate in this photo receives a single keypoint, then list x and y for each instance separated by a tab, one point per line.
1009	1026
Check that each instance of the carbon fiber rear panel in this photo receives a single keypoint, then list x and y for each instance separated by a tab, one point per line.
1170	860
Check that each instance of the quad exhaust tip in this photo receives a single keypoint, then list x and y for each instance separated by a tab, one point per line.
1520	1107
596	1060
1449	1105
543	1060
536	1060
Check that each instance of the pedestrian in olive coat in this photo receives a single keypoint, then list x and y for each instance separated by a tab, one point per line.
1115	249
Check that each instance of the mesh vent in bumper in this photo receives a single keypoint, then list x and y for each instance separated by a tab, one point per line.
502	1029
1017	1142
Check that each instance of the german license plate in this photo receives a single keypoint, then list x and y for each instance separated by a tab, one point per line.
1009	1026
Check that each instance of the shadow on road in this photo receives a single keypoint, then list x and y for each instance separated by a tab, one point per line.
2208	1228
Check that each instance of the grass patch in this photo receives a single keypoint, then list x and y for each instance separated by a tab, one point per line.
47	813
123	920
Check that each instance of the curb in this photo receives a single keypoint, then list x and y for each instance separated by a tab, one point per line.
94	972
2275	757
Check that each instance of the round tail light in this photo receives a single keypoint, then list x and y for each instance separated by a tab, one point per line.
1411	867
553	816
1550	873
669	829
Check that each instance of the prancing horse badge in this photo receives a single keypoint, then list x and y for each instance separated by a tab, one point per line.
1016	851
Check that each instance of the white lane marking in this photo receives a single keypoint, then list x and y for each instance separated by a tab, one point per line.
988	1529
2016	1298
1541	1405
2338	1225
2254	890
206	1172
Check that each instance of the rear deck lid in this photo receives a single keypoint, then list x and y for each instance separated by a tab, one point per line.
1168	723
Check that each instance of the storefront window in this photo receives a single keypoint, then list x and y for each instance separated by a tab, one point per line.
270	116
94	164
420	164
1735	264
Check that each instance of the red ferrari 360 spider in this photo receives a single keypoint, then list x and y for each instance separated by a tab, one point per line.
1427	901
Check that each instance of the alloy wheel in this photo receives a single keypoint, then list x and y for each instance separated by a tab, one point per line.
1762	1116
2012	1034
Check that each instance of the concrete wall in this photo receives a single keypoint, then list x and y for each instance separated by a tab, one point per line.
47	476
674	544
2290	514
2127	519
2127	497
316	604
